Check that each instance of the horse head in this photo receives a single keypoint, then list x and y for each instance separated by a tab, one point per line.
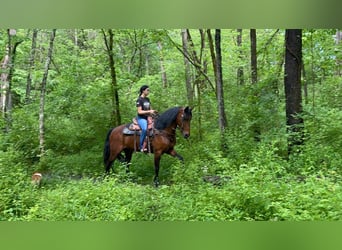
183	121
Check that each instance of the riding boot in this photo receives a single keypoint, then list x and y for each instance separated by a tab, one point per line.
144	147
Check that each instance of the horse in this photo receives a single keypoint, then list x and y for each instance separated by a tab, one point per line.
162	141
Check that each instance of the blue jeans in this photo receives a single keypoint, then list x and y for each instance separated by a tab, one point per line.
143	125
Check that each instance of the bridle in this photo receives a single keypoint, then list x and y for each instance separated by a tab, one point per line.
182	122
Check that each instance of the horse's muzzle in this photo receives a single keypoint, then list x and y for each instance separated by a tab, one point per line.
186	135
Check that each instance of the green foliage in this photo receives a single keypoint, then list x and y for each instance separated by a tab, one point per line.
259	189
24	136
251	194
251	179
17	194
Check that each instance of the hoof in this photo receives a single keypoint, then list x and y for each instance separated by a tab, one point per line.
156	183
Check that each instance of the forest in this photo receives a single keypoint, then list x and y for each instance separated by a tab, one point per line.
265	144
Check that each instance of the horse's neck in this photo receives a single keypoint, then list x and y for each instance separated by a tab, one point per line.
171	130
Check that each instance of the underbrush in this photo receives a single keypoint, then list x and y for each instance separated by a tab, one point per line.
256	184
245	196
17	195
213	190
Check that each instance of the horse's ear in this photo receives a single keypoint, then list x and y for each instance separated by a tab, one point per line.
188	109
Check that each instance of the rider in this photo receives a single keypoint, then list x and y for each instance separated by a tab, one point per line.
144	110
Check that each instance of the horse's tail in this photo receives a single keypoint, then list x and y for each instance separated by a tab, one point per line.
106	150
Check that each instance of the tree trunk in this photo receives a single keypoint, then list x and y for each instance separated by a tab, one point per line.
338	39
216	58
305	85
212	53
188	78
42	95
162	66
5	64
219	83
240	77
312	78
254	79
109	42
292	80
147	64
253	56
198	82
31	65
6	78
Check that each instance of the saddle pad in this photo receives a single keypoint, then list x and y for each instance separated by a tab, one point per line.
127	131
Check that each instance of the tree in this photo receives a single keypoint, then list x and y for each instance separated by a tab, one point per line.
109	42
240	77
338	38
200	64
254	80
188	75
253	56
3	79
212	52
216	57
292	80
42	95
219	82
199	70
162	64
6	78
31	65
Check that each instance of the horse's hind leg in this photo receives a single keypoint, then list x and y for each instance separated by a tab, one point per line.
108	166
110	161
128	158
121	158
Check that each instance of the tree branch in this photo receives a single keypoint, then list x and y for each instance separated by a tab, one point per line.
195	64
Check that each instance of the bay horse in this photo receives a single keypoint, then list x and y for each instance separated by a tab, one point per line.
163	139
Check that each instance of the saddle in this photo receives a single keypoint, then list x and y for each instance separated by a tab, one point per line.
133	128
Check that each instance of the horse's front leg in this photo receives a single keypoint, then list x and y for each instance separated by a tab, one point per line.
156	168
176	155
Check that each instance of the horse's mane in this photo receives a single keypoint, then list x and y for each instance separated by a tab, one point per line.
166	118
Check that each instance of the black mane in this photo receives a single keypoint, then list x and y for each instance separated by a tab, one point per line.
166	118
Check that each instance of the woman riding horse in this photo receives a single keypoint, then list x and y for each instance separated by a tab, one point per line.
163	140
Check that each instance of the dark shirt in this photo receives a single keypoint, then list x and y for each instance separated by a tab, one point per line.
144	103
